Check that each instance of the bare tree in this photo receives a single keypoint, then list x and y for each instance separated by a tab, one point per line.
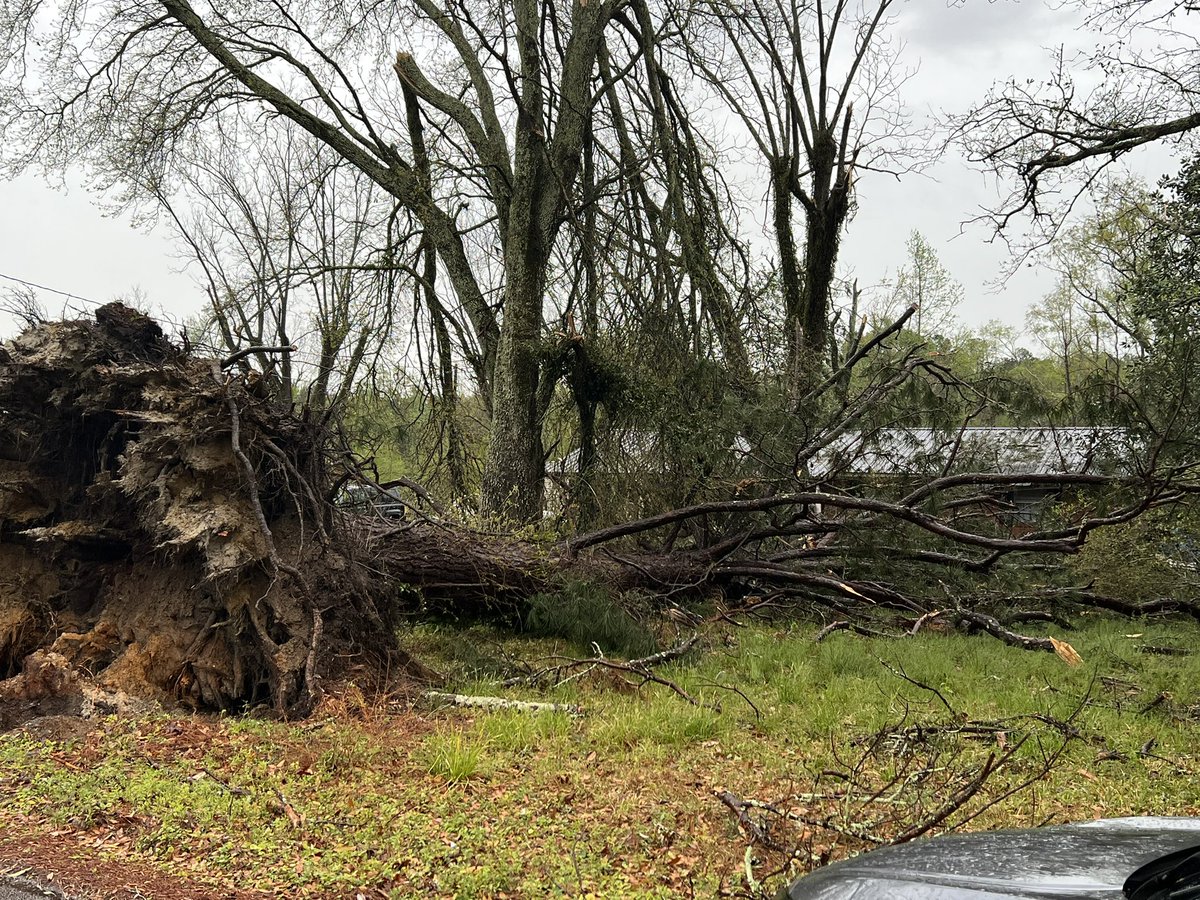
816	87
1052	138
291	246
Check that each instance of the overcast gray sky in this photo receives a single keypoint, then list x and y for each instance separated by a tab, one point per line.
63	241
962	49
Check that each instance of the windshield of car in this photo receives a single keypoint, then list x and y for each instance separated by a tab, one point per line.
1175	876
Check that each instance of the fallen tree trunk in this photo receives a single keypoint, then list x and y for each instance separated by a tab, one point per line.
462	572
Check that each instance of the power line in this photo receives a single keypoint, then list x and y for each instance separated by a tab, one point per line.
42	287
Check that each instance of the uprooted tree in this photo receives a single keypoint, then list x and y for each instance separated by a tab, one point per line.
554	210
168	532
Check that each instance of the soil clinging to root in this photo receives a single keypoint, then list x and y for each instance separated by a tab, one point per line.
164	532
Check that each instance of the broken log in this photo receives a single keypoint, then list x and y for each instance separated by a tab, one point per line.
501	703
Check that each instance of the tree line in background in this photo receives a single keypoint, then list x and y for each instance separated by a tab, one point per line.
512	238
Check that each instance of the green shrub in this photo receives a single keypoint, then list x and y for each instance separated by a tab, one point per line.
587	614
1155	555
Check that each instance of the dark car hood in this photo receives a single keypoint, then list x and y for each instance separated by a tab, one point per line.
1088	861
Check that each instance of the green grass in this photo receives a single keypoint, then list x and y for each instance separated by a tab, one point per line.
455	755
619	802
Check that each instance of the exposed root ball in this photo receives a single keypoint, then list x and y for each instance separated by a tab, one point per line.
162	528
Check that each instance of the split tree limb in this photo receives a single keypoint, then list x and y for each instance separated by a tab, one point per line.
992	626
250	351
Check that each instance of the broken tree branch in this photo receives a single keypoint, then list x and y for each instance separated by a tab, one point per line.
250	351
502	703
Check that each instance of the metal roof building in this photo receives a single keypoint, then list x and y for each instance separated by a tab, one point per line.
903	452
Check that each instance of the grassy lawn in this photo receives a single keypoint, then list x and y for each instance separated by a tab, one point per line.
389	797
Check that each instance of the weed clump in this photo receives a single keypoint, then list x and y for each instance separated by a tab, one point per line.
454	756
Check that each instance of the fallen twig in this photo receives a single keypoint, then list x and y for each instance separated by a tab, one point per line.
503	703
754	831
759	834
566	664
641	668
668	655
957	799
736	690
228	788
1048	764
900	673
1147	752
847	625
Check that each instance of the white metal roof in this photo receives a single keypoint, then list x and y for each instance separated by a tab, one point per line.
998	451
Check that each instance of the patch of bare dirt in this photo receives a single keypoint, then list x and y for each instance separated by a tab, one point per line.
63	861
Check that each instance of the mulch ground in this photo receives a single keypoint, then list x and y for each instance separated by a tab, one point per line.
62	861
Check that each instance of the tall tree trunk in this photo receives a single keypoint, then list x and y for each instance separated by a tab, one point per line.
826	206
544	170
447	411
820	262
789	271
512	476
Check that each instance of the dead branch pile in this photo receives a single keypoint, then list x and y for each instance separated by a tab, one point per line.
910	780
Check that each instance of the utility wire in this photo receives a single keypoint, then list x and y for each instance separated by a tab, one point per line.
42	287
